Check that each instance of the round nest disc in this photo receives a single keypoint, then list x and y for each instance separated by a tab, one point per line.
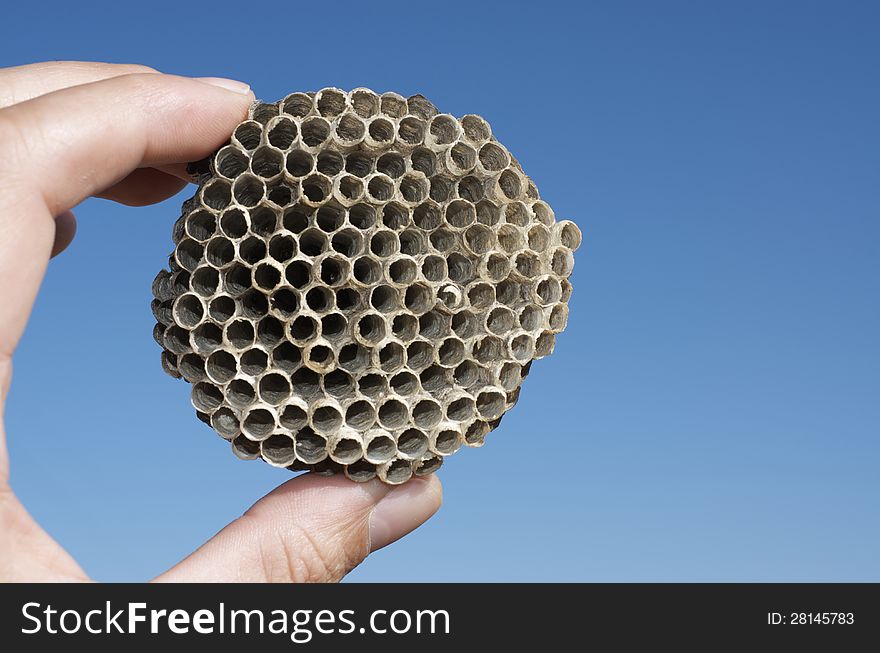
360	285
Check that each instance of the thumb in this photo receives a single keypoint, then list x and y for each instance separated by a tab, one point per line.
311	529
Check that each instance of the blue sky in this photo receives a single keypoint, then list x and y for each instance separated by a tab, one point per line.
715	401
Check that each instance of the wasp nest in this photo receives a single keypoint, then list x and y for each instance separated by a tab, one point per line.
360	284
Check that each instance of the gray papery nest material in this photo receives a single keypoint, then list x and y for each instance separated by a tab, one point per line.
360	285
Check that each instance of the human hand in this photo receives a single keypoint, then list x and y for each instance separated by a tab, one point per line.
73	130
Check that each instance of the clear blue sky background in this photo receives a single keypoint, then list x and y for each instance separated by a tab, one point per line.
715	402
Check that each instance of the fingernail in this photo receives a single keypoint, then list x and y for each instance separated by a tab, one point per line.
229	84
403	510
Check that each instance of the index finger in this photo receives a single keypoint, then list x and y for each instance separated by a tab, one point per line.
21	83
